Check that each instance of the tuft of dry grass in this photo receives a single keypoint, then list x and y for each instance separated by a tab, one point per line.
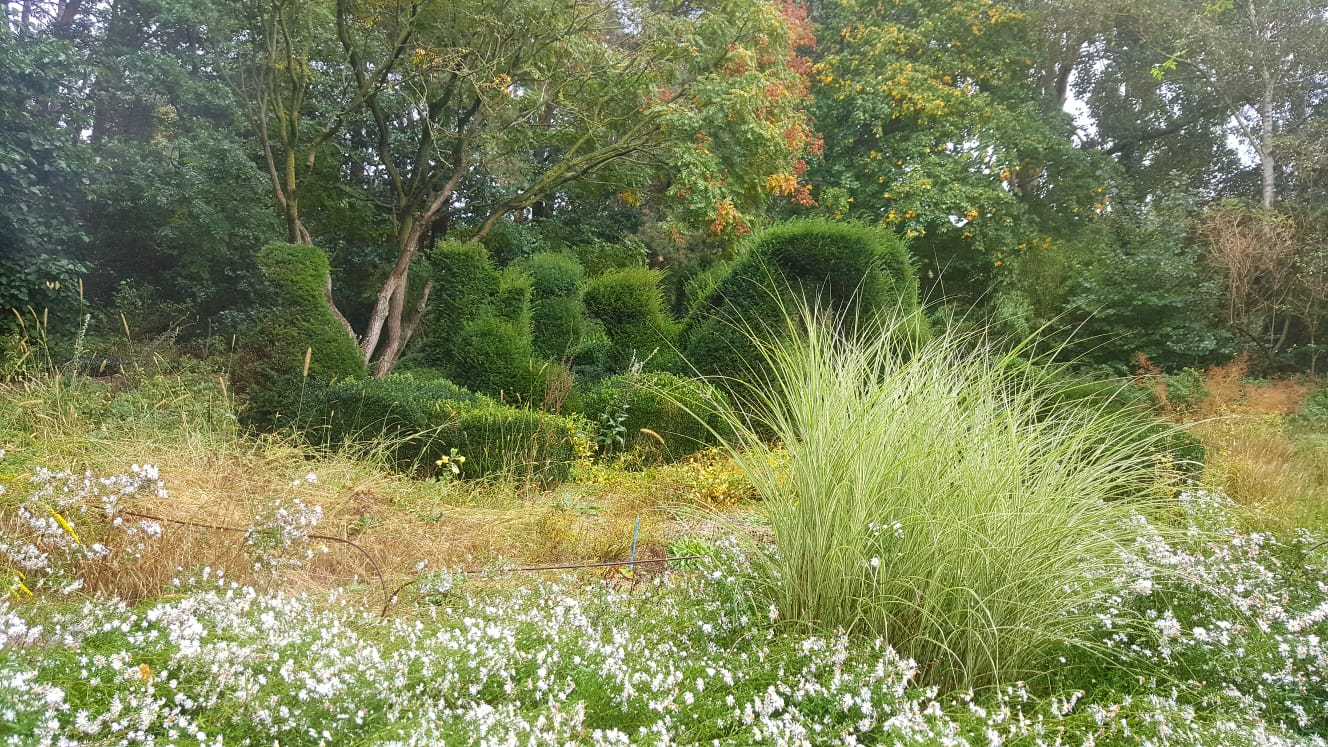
1275	474
219	477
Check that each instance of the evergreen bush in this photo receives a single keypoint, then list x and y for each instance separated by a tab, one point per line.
558	325
630	305
859	273
411	422
555	275
296	322
683	415
465	283
494	356
509	241
512	302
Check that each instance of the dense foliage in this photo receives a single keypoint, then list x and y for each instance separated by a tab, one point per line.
862	274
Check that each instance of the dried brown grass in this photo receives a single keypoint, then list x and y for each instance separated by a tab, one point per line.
1250	451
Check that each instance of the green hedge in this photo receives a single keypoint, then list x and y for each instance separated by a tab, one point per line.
494	356
465	282
411	422
684	413
296	321
858	272
556	275
557	314
559	324
512	302
630	305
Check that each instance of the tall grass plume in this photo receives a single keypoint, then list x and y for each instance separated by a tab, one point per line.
939	495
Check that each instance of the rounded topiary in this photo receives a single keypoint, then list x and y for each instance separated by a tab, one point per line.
630	305
465	282
555	275
494	356
664	416
857	272
298	342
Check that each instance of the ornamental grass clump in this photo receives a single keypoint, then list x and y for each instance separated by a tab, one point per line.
938	496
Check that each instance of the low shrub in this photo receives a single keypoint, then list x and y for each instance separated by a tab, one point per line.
934	496
410	423
666	417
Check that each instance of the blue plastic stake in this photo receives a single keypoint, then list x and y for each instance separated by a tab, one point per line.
635	533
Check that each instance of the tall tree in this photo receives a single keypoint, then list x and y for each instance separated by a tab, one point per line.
939	122
1265	61
415	101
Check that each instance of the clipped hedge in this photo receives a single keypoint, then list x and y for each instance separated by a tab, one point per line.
411	422
465	282
299	318
296	321
557	314
555	275
559	324
630	305
682	413
858	272
494	356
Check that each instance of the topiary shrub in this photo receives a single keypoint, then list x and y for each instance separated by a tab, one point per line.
479	332
297	322
630	305
397	416
858	272
558	325
666	417
494	356
557	314
515	442
300	318
512	302
410	423
599	256
555	275
465	281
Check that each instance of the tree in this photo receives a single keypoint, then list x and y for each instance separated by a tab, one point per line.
43	162
416	102
1263	60
937	124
